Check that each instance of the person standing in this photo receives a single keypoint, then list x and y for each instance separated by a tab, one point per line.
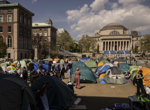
34	76
25	74
77	73
63	71
139	81
69	73
58	69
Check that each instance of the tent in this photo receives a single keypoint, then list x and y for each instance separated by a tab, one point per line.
23	63
30	60
16	61
4	68
103	69
11	68
114	76
133	69
106	64
1	70
100	64
13	64
91	64
8	63
36	66
119	63
87	75
48	59
122	60
124	67
100	60
104	61
15	94
57	93
98	69
46	67
84	59
3	64
56	59
146	75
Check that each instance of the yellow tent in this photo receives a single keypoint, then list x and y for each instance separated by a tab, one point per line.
102	75
146	75
100	64
56	59
119	63
66	60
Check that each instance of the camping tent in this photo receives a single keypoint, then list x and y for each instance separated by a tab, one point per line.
103	69
11	68
56	59
4	68
36	66
106	64
48	59
122	60
84	59
16	61
100	60
3	64
1	70
91	64
23	63
124	67
87	75
104	61
98	69
146	75
57	93
15	94
133	69
100	64
114	76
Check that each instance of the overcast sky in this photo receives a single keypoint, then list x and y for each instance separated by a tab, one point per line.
80	17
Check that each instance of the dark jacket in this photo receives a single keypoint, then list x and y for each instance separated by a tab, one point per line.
25	74
34	76
63	70
31	66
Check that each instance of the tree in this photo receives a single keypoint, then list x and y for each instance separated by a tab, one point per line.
135	50
3	48
145	43
87	42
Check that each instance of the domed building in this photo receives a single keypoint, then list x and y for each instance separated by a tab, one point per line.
114	36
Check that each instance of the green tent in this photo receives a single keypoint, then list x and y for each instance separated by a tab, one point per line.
11	68
124	67
57	92
16	61
3	64
104	61
8	63
133	69
101	60
62	61
15	94
87	75
48	59
30	60
119	59
91	64
23	63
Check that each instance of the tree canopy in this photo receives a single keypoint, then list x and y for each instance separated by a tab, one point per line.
3	48
145	43
87	43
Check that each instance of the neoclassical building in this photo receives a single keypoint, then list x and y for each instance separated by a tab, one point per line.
115	36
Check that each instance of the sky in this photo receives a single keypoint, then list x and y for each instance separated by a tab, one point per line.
81	17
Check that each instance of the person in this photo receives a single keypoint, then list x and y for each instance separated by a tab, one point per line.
40	66
41	73
57	70
139	81
128	75
25	74
69	73
53	67
47	73
34	76
49	66
77	73
63	71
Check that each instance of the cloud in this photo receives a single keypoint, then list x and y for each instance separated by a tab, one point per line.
98	5
85	21
34	1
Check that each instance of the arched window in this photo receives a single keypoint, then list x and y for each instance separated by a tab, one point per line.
24	43
9	41
114	33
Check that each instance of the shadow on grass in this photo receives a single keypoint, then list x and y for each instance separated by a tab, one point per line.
97	103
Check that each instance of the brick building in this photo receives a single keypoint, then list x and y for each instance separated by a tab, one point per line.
15	29
42	32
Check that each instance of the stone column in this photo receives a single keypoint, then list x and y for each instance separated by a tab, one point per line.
117	45
108	45
123	45
111	46
105	45
126	46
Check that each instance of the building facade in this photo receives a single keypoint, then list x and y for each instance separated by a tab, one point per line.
15	29
114	36
42	32
61	30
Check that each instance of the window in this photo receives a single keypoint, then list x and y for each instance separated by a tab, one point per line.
20	30
9	10
25	55
24	43
21	55
136	38
20	43
1	29
20	19
9	28
40	33
114	33
9	18
28	44
9	41
45	29
24	32
28	33
45	33
25	21
40	29
9	55
1	18
28	22
1	11
34	33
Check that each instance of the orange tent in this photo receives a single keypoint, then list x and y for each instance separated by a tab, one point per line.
119	63
100	64
146	74
56	59
102	75
13	64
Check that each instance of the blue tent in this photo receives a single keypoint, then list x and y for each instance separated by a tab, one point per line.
84	59
127	51
45	67
112	52
58	61
104	69
36	66
98	69
106	52
87	75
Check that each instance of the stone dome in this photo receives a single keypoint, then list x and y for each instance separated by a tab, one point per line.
113	25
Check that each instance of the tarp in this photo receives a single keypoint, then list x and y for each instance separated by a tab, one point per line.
15	94
104	69
106	52
100	64
124	67
84	59
46	67
122	60
119	63
4	68
133	69
91	64
127	51
146	73
56	59
57	92
87	75
112	52
121	52
36	66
